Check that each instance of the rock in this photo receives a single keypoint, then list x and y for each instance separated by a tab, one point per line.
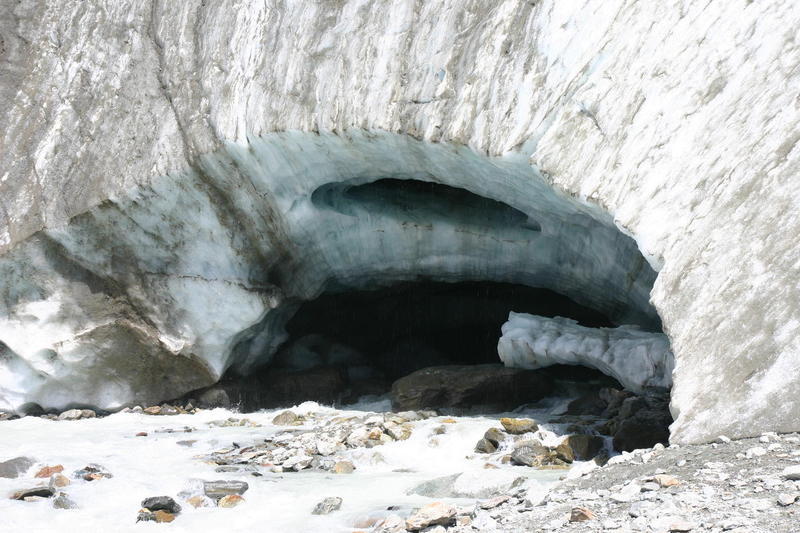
92	472
791	473
153	410
72	414
530	453
161	503
400	432
495	436
665	480
518	426
485	446
169	410
231	500
58	481
214	397
200	501
494	502
391	524
564	452
162	517
588	404
585	447
15	467
141	434
787	499
581	514
680	526
43	492
48	471
490	386
636	434
483	484
287	418
434	514
343	467
62	501
327	506
221	488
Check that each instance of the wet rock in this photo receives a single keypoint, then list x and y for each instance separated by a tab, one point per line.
221	488
72	414
564	452
62	501
518	426
287	418
161	517
530	453
213	397
588	404
48	471
231	500
161	503
399	432
581	514
485	446
42	492
92	472
327	506
585	447
169	410
13	468
152	410
200	501
455	386
391	524
343	467
58	481
434	514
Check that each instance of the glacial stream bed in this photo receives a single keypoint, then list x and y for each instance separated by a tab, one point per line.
164	463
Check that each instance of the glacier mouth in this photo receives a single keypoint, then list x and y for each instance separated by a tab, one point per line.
197	273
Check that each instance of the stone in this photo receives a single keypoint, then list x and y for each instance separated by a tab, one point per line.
634	434
92	472
221	488
530	454
161	503
162	517
62	501
391	524
400	432
787	499
494	502
680	526
152	410
48	471
518	426
44	492
467	386
287	418
585	447
343	467
665	480
485	446
564	452
327	506
141	434
72	414
231	500
495	436
200	501
791	473
581	514
14	468
433	514
58	481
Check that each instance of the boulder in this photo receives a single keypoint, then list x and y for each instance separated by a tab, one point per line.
434	514
13	468
467	386
585	447
42	492
221	488
518	426
161	503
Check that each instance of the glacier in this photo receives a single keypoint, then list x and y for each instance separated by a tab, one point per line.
160	160
637	359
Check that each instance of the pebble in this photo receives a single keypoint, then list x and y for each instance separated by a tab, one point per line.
327	506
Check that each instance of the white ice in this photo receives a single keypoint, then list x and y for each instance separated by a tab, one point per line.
636	358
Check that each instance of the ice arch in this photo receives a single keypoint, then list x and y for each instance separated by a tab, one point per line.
198	273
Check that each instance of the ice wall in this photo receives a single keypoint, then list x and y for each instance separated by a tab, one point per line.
637	359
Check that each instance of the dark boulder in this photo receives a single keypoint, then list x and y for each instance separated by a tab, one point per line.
467	386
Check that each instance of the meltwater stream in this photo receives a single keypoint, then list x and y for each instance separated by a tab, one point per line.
162	463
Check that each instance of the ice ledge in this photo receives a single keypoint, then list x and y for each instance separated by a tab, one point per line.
637	359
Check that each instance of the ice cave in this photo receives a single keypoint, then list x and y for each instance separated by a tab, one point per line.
442	254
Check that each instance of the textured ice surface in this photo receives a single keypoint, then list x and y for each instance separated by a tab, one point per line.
636	358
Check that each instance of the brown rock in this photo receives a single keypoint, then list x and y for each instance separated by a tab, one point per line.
564	452
231	500
494	502
163	517
518	426
343	467
58	481
665	480
581	514
434	514
199	501
287	418
153	410
585	447
48	471
141	434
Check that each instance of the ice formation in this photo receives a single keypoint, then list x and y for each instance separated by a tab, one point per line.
636	358
160	160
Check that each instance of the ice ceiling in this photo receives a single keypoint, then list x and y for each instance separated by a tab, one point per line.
197	274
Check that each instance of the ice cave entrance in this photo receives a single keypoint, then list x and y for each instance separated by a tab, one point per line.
411	255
